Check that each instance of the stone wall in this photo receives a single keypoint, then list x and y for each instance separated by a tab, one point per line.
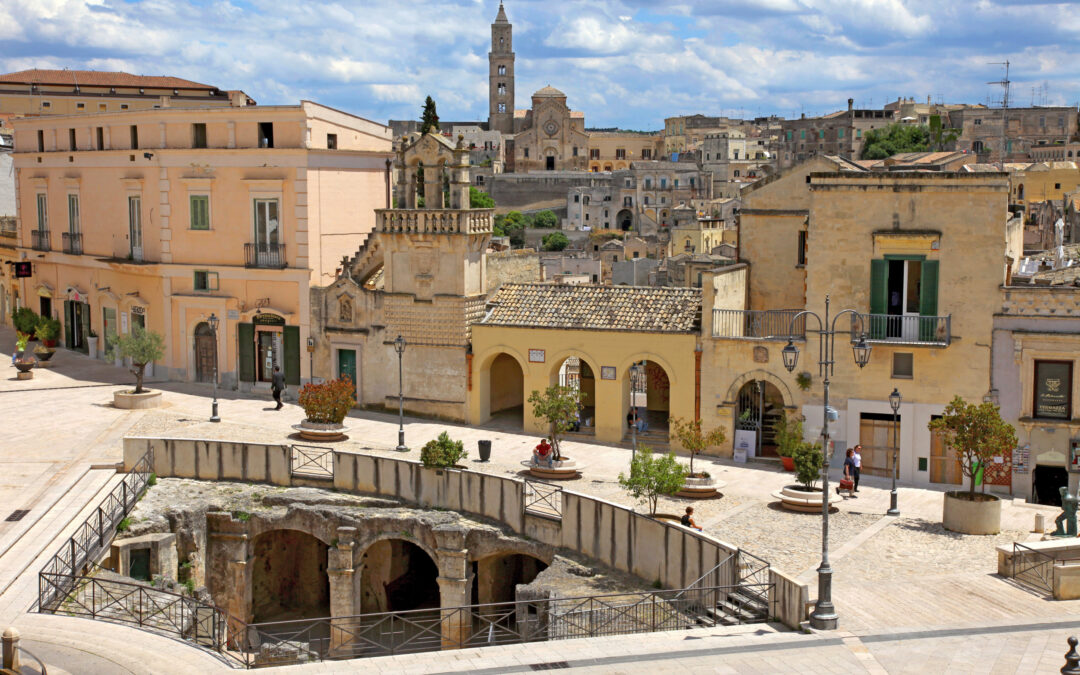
524	191
511	267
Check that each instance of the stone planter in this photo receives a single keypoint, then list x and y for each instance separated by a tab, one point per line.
44	354
564	469
25	363
982	516
91	347
795	498
321	432
126	399
667	518
699	488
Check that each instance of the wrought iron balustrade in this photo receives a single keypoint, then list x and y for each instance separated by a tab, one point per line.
773	324
39	240
270	256
904	329
72	242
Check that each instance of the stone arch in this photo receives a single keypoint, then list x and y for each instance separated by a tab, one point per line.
759	374
496	576
625	220
288	576
486	391
660	381
587	378
399	574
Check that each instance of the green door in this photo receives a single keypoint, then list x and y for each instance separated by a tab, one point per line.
291	347
245	340
139	565
346	360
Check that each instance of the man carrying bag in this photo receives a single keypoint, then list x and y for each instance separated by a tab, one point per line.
277	385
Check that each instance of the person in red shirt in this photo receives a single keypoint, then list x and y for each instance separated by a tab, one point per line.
543	453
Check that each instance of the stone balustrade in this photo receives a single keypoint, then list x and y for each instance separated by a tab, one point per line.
435	221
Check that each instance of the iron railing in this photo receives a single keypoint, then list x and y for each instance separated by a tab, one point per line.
933	331
39	240
543	499
264	255
773	324
72	242
85	546
1033	568
311	460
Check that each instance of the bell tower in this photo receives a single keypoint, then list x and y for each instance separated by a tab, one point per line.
501	75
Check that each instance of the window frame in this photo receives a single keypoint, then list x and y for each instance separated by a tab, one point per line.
900	376
198	135
191	212
74	214
42	212
211	278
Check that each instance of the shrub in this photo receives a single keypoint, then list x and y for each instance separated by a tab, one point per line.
442	452
21	339
47	328
808	462
480	200
545	220
25	320
142	347
789	434
328	402
652	476
693	439
556	241
977	434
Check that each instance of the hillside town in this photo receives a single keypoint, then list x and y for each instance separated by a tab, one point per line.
812	289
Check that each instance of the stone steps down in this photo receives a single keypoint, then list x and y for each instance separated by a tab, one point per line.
738	607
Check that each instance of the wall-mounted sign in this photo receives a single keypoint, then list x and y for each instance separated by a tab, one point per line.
1053	382
267	320
607	372
24	270
138	310
233	315
536	355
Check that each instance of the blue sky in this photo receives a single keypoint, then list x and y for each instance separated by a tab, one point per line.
625	63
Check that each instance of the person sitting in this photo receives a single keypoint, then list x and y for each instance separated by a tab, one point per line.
642	425
688	519
631	418
543	454
576	424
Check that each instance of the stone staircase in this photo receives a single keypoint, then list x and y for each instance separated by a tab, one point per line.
368	259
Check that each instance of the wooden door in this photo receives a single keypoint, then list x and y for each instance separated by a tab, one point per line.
876	439
204	353
944	465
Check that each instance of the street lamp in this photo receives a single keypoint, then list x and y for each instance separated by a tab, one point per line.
894	401
311	359
399	347
213	321
637	378
824	615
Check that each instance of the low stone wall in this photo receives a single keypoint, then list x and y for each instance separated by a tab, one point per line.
614	534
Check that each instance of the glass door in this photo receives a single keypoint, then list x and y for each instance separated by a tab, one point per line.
267	232
135	227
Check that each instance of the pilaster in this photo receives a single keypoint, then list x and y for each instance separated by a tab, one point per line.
455	586
344	588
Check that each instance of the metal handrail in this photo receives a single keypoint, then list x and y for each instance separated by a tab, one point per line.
773	324
1037	575
542	498
312	460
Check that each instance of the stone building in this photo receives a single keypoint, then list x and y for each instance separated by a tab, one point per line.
642	198
734	158
551	137
687	133
1026	129
839	133
164	217
612	150
501	75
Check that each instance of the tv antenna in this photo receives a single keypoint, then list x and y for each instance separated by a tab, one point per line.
1004	84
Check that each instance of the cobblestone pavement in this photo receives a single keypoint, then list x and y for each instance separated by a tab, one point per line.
892	574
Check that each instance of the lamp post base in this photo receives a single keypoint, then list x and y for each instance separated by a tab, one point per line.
824	622
893	510
214	414
401	441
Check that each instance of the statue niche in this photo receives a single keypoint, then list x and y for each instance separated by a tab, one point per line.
345	309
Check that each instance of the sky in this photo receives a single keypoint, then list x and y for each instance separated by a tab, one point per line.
625	63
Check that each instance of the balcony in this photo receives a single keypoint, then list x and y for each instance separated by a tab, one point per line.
39	240
927	331
435	221
772	324
72	242
268	256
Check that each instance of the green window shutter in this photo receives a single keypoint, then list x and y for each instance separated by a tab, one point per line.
246	342
879	291
200	212
292	354
69	325
928	291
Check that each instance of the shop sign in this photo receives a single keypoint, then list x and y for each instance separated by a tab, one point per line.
268	320
24	270
136	309
1052	383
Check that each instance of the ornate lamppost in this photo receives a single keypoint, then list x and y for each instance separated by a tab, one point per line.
824	616
399	347
637	379
213	321
894	402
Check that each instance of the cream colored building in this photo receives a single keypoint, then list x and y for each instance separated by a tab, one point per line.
614	150
552	137
163	217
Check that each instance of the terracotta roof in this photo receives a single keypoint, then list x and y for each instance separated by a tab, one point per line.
593	307
98	78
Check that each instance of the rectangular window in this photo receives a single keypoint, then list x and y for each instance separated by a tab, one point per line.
73	213
858	133
789	135
802	248
802	134
903	365
135	226
620	153
82	106
648	183
200	211
525	153
331	141
40	141
46	104
502	107
205	280
100	138
266	134
663	183
575	151
646	153
134	137
71	139
577	198
899	287
42	213
123	106
102	107
594	153
198	135
1053	390
839	133
108	324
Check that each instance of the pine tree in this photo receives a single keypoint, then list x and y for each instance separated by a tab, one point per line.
430	119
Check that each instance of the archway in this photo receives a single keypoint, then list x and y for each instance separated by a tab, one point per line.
507	390
288	577
398	576
652	400
204	353
758	407
497	576
577	373
625	219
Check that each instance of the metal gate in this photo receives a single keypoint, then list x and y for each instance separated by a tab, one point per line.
750	411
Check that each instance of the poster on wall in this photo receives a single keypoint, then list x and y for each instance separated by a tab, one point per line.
1053	379
1074	456
745	442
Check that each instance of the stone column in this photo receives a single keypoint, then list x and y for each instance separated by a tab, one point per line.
455	584
344	588
228	574
11	650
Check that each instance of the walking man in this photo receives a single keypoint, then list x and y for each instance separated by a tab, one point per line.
277	385
858	466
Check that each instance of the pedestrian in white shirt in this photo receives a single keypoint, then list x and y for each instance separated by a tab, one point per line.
858	465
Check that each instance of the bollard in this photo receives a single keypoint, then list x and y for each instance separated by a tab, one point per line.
1071	667
1040	523
11	649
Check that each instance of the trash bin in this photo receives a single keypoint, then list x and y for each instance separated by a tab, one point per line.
485	450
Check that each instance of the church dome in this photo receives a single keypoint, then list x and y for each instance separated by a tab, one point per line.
549	92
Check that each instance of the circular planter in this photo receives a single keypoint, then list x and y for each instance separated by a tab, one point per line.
564	469
667	518
700	488
319	431
795	498
44	355
788	462
981	516
25	365
126	399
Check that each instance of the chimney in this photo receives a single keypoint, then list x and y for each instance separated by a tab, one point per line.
850	104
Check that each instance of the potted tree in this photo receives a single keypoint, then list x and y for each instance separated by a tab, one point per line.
977	434
652	476
442	453
789	436
47	329
805	496
24	320
695	440
559	407
325	406
142	346
91	344
22	360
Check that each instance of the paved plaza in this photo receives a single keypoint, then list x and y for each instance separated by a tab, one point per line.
911	596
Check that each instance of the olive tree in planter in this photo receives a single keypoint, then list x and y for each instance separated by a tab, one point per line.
325	406
558	406
977	434
143	347
652	476
442	452
695	440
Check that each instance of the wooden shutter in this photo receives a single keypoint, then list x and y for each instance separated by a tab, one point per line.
879	301
292	354
246	342
928	300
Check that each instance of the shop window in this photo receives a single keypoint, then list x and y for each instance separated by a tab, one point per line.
903	365
205	280
1053	390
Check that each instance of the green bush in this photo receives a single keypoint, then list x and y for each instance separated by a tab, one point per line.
808	462
652	476
556	241
480	200
25	320
442	452
545	219
328	402
47	328
788	433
